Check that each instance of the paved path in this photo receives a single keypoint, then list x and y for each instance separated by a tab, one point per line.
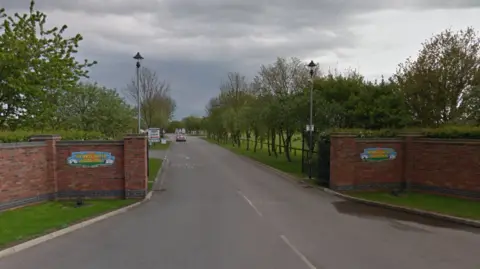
220	211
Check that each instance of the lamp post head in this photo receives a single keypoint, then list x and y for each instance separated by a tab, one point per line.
138	57
312	66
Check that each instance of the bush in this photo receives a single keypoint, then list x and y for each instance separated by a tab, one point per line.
458	131
23	136
445	132
363	133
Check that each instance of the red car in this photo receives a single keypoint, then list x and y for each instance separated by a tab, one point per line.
181	138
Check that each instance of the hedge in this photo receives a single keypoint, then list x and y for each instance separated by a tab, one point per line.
23	136
465	132
445	132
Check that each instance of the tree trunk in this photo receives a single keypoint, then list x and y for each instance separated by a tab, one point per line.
280	140
288	145
268	144
274	145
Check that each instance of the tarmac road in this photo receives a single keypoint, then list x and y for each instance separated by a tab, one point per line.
222	211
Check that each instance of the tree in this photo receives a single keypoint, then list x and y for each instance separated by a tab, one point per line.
275	105
156	106
37	66
175	124
283	84
192	123
435	85
91	107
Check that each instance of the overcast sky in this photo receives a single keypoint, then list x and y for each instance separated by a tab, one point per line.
194	43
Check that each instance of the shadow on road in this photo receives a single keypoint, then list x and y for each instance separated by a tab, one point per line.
373	212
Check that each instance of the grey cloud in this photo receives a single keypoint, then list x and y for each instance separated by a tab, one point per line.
193	83
193	44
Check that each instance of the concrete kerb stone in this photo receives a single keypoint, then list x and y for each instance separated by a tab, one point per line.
44	238
469	222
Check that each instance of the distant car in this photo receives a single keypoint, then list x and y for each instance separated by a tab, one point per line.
181	138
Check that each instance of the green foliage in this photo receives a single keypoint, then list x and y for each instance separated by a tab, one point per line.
39	83
437	86
452	132
37	66
444	132
175	124
91	107
191	123
366	133
156	104
438	89
23	136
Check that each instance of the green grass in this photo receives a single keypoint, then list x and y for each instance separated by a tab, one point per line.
294	167
28	222
441	204
160	146
153	167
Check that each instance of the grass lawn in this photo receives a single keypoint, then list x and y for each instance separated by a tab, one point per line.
441	204
153	167
160	146
261	155
25	223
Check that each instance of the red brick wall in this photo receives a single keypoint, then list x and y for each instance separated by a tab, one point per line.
107	178
386	172
36	171
446	164
23	171
435	165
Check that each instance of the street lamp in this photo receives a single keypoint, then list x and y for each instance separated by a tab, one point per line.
312	67
139	58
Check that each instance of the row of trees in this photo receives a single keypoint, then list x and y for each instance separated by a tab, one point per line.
41	84
190	123
440	87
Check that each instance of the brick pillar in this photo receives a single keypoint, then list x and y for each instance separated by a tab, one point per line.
343	155
135	161
408	159
51	151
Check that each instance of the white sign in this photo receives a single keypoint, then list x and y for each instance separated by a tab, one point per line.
154	134
310	128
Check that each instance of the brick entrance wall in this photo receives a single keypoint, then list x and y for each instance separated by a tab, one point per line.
447	166
38	170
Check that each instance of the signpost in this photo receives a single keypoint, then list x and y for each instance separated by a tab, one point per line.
154	135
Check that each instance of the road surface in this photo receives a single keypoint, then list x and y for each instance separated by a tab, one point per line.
221	211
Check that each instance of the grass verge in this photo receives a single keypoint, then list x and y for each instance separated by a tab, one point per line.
153	166
435	203
261	155
160	146
26	223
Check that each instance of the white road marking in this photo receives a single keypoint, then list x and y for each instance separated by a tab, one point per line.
250	203
299	254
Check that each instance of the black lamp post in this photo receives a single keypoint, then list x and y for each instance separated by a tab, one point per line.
139	58
312	67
